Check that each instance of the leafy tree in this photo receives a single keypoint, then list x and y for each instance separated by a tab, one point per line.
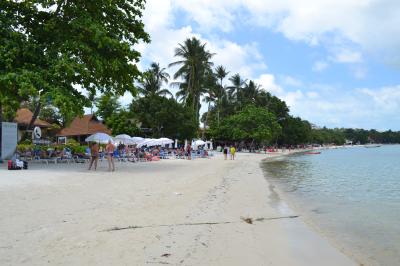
54	49
295	131
251	124
153	80
107	105
122	122
194	67
165	117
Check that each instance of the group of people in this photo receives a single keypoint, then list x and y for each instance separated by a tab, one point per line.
231	150
133	154
95	153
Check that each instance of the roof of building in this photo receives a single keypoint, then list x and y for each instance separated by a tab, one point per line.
24	117
85	125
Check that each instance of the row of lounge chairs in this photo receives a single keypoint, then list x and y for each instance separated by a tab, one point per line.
68	157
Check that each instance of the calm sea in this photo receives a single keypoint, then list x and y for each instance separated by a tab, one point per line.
351	195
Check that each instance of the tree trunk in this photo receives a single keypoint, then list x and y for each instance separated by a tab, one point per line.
34	116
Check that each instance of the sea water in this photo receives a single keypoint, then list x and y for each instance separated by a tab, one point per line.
351	195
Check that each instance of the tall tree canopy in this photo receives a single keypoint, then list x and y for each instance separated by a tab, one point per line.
165	117
153	80
251	124
58	48
194	67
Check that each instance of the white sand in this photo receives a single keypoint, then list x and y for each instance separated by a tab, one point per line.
60	214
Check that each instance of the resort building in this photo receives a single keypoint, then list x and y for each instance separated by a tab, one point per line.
81	128
24	117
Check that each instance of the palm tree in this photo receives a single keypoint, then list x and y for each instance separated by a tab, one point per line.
250	92
236	90
220	73
212	92
153	80
194	66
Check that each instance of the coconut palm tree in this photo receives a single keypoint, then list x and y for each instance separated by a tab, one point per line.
153	80
236	90
250	92
194	66
220	73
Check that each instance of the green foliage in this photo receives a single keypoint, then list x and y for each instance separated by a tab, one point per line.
122	122
252	123
194	66
153	80
295	131
328	136
107	104
165	117
50	48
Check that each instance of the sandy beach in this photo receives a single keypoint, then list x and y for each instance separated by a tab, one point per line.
174	212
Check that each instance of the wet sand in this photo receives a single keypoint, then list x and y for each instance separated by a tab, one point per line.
174	212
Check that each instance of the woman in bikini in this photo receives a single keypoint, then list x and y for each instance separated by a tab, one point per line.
110	155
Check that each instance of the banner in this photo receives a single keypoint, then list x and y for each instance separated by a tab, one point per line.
9	139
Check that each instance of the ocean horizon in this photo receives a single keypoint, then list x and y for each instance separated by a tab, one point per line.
350	195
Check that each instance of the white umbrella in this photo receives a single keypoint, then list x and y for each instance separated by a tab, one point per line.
99	137
211	146
124	138
163	141
148	142
198	142
137	140
186	143
176	143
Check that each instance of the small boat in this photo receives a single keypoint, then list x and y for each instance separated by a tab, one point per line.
313	152
372	146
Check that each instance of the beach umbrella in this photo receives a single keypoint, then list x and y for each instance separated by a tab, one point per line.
211	145
176	143
100	138
148	142
186	143
198	142
124	138
164	141
137	140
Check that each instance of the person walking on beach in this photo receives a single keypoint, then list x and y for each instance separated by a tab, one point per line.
110	155
94	155
233	151
225	152
189	152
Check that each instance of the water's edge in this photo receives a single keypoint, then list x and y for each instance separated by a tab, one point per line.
282	200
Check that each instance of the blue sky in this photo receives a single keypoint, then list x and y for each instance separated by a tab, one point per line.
335	62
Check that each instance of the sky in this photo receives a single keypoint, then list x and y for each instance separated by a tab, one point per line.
336	63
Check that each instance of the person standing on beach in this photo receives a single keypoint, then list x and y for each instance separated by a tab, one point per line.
233	151
189	152
225	152
110	155
94	155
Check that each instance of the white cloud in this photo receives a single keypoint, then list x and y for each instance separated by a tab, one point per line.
291	81
347	28
348	56
320	66
268	83
385	100
370	24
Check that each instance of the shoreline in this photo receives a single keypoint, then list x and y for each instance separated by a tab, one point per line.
304	217
174	212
